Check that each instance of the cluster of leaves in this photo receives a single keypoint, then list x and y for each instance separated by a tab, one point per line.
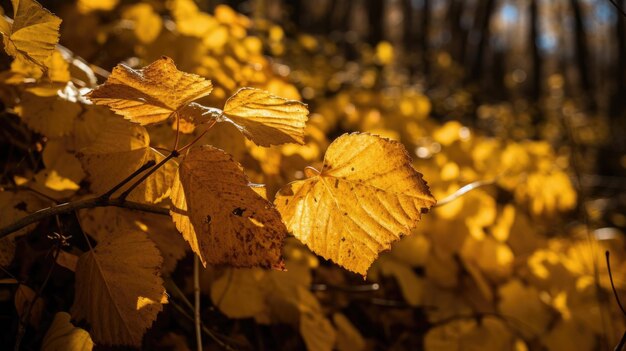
492	269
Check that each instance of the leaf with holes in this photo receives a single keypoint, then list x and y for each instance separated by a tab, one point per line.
224	220
366	197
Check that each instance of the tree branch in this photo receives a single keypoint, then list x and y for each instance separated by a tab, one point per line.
69	207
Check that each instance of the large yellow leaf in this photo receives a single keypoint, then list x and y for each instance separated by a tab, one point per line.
224	220
34	33
64	336
267	119
366	197
151	94
118	149
119	290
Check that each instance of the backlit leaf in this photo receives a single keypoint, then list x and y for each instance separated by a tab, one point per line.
119	290
222	218
267	119
34	32
151	94
366	197
118	149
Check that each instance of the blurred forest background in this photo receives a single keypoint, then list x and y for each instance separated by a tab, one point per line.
524	98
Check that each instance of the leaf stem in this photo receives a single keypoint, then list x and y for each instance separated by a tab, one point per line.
191	143
146	165
69	207
464	190
147	174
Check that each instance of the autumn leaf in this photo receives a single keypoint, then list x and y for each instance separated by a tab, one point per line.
100	222
223	219
151	94
119	290
33	34
52	116
267	119
366	197
64	336
118	149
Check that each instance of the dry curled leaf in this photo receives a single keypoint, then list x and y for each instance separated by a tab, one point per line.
267	119
119	290
33	34
224	220
64	336
366	197
151	94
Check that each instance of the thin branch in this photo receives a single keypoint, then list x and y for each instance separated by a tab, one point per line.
464	190
619	8
147	165
196	298
608	266
147	174
171	286
69	207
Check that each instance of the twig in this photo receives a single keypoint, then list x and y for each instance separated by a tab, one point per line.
147	165
147	174
619	8
171	286
206	330
346	288
608	266
464	190
69	207
196	298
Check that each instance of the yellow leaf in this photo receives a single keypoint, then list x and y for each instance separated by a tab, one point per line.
52	116
411	286
86	6
385	53
348	337
151	94
34	33
102	221
317	331
532	313
366	197
267	119
459	335
58	69
121	271
147	23
64	336
240	293
118	149
222	218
